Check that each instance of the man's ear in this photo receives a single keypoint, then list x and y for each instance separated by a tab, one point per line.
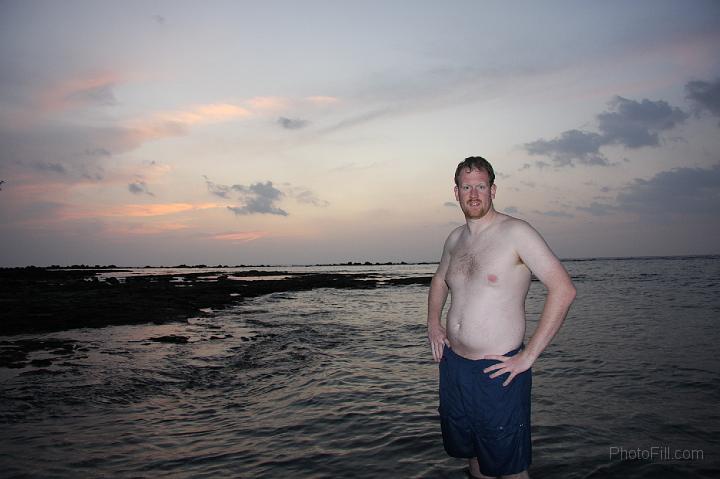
492	191
457	196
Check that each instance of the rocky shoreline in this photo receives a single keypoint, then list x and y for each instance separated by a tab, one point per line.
37	300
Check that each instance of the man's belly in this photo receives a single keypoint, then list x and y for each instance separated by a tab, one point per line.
476	331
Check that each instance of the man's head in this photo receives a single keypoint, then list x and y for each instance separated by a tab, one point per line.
475	187
474	163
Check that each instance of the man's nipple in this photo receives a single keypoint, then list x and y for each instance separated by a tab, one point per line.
492	278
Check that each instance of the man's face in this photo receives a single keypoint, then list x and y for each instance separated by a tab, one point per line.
475	193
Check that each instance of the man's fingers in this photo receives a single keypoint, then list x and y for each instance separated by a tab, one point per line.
494	367
437	349
509	379
494	375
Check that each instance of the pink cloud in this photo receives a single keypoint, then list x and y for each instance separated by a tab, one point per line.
210	113
143	229
241	236
89	88
322	100
268	103
134	210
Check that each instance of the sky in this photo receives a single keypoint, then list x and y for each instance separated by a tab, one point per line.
281	132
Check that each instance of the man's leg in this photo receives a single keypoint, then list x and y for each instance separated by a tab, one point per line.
475	469
475	472
520	475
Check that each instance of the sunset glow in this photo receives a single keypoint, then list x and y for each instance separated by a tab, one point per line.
287	132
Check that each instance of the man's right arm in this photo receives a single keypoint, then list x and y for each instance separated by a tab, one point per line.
436	301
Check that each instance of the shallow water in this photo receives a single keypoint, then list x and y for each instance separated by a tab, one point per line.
330	383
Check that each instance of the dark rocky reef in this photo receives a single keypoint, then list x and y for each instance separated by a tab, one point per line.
36	300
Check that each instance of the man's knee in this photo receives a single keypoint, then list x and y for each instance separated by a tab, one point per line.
520	475
475	470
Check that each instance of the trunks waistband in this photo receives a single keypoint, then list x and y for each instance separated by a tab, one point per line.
448	350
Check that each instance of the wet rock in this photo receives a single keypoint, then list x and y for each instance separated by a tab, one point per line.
226	336
42	300
405	281
14	354
171	339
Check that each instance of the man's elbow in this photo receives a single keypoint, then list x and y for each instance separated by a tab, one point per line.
569	292
438	283
564	291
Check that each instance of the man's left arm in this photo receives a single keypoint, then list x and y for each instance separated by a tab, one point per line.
535	253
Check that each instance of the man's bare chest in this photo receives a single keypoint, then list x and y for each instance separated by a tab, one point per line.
488	262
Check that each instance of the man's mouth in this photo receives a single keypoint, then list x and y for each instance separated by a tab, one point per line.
474	203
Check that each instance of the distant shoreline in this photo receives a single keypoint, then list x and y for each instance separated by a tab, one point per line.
348	263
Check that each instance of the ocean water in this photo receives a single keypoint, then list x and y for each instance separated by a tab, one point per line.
341	383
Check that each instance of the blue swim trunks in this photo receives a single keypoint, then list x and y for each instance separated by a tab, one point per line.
482	418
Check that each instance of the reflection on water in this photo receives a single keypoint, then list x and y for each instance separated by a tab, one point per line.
331	382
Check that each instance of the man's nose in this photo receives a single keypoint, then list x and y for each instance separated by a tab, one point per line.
474	193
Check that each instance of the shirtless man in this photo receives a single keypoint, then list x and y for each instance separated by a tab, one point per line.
485	375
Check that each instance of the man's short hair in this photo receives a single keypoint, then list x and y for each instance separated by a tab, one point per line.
474	163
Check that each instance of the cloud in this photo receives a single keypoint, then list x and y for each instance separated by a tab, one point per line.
240	236
292	124
200	114
223	191
143	229
262	198
308	197
598	209
258	198
554	214
305	196
704	96
681	191
688	191
85	90
572	146
157	209
322	100
47	166
81	151
628	123
97	95
139	188
636	124
354	167
357	120
267	103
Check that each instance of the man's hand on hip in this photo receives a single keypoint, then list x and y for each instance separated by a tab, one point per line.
513	365
438	340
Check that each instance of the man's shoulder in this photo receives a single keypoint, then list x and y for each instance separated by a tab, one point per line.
455	233
454	236
513	229
511	224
